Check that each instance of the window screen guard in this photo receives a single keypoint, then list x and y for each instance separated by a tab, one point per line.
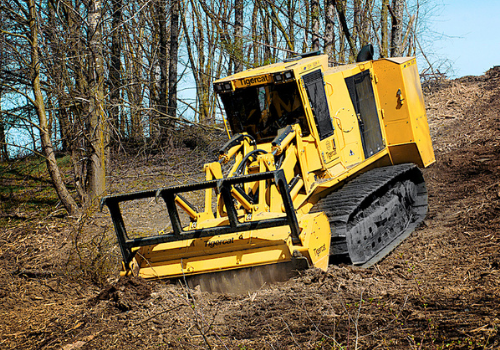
315	88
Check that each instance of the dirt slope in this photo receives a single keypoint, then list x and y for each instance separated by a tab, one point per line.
439	289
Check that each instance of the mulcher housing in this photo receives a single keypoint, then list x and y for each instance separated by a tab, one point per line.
302	131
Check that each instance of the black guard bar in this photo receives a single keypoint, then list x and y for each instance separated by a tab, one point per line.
224	187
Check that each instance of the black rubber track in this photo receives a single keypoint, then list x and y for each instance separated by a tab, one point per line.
371	214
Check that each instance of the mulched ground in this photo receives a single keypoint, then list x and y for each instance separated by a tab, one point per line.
439	289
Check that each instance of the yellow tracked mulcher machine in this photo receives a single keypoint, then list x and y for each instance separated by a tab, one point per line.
323	168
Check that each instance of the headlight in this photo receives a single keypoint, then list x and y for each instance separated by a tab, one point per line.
283	77
223	87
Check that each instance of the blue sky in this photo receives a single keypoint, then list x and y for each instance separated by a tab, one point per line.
471	38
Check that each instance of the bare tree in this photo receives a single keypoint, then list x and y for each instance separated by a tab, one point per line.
115	67
255	34
365	35
38	102
173	60
162	62
340	6
201	43
97	136
238	35
307	9
292	9
397	27
315	24
330	29
384	11
357	19
4	154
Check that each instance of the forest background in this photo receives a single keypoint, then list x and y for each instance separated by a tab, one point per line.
92	78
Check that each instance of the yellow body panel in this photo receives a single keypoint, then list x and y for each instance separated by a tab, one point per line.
404	115
260	75
238	250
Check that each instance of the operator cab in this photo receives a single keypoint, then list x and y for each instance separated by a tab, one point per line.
263	101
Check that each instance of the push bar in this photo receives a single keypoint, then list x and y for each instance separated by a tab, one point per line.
223	186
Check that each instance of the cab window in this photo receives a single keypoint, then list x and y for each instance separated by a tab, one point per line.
262	110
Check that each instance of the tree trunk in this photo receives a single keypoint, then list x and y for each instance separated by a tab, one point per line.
267	38
340	6
196	65
162	62
278	25
115	68
397	28
4	154
172	65
315	24
64	126
356	28
365	27
291	24
274	40
407	39
383	28
58	71
305	44
330	30
238	36
97	131
54	172
255	36
134	65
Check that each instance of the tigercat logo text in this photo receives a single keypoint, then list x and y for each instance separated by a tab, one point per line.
331	154
320	250
218	242
255	80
